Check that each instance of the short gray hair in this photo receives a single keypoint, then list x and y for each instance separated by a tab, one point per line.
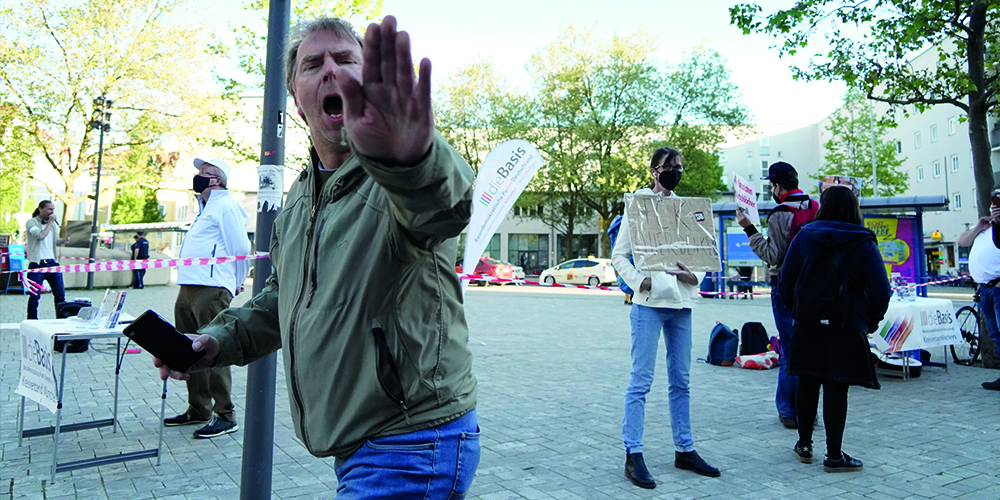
301	31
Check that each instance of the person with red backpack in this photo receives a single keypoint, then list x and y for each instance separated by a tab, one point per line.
794	210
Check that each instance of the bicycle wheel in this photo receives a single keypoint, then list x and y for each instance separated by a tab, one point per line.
967	351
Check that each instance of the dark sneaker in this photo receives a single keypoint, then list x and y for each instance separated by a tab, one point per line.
803	452
217	427
845	464
992	386
636	471
789	422
693	462
183	419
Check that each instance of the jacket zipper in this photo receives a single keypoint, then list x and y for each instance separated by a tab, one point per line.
387	372
312	272
291	332
211	269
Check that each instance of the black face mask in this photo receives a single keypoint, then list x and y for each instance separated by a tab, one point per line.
200	183
669	179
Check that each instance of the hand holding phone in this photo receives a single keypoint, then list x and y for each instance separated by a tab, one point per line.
172	349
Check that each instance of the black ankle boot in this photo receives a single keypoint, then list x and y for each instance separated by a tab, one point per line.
636	471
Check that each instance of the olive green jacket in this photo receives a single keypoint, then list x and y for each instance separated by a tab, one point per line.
365	303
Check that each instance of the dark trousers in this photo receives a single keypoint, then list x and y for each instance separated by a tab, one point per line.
834	411
196	306
55	283
137	275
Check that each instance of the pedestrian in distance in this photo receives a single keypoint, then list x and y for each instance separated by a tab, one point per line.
219	230
140	251
836	259
42	237
984	266
369	314
794	210
661	306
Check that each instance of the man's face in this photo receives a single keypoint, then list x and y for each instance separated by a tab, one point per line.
317	95
47	210
213	174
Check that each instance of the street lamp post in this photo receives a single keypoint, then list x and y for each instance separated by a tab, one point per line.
100	119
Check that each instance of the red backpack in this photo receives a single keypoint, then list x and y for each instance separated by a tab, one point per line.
800	217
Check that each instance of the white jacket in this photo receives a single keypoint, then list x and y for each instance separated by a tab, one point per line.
219	230
666	290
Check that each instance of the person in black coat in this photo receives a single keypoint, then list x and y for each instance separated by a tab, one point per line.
822	355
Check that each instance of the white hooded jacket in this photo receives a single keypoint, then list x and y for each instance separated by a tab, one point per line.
666	290
219	230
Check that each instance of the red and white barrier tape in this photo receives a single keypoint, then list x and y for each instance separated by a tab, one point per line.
949	280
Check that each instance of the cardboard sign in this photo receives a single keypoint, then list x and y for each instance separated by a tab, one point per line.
853	183
746	198
667	230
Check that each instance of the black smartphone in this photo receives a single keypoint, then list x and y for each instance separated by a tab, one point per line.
160	338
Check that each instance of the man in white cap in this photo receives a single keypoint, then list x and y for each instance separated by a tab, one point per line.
218	230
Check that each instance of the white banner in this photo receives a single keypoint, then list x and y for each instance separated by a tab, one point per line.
746	198
917	325
38	379
502	177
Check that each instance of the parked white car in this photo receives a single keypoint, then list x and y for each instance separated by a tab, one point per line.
587	271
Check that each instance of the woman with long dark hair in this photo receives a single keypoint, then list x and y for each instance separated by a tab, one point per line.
834	357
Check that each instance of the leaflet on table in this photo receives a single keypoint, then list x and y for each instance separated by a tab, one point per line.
116	311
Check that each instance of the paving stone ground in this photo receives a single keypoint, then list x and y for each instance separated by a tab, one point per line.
552	368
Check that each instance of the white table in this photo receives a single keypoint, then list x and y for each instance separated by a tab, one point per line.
917	324
39	383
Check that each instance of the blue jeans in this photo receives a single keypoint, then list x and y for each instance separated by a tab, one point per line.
989	303
784	398
647	323
439	462
55	283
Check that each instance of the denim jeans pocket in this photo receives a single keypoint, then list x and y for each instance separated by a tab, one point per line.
468	462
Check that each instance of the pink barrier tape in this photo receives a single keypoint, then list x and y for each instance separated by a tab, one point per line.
130	265
715	294
127	265
949	280
491	279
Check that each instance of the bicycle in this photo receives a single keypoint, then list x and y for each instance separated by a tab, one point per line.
966	352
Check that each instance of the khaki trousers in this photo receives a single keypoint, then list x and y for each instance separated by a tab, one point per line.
196	306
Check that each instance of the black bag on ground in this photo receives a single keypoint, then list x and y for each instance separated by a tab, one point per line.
753	339
65	310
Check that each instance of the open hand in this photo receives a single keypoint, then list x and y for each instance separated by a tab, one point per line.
684	274
387	114
205	343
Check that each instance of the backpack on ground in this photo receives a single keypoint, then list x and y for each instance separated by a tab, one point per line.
722	345
822	291
753	339
613	229
800	217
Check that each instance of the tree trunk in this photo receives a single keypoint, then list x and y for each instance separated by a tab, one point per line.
987	351
979	133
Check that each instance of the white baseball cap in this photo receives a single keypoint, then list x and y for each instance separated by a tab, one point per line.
215	162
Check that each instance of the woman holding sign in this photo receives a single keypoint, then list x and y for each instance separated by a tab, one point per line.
662	303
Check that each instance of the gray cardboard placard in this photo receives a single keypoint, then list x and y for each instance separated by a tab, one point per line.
666	230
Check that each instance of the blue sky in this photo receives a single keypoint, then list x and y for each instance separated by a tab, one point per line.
454	32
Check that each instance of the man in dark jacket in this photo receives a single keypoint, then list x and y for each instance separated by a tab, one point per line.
369	313
784	181
140	251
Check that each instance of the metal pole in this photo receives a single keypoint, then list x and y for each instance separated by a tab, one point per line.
97	196
874	171
258	440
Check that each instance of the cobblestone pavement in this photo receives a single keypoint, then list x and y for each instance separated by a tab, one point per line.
552	367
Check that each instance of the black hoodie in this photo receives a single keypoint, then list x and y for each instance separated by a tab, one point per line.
865	268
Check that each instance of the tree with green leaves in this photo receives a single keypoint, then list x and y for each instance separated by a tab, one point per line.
849	150
248	52
56	56
15	166
870	47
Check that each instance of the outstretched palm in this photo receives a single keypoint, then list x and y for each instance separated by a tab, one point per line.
388	114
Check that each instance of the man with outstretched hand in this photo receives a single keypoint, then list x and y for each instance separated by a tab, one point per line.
368	314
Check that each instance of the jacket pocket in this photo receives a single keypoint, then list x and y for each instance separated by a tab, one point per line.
387	371
664	287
